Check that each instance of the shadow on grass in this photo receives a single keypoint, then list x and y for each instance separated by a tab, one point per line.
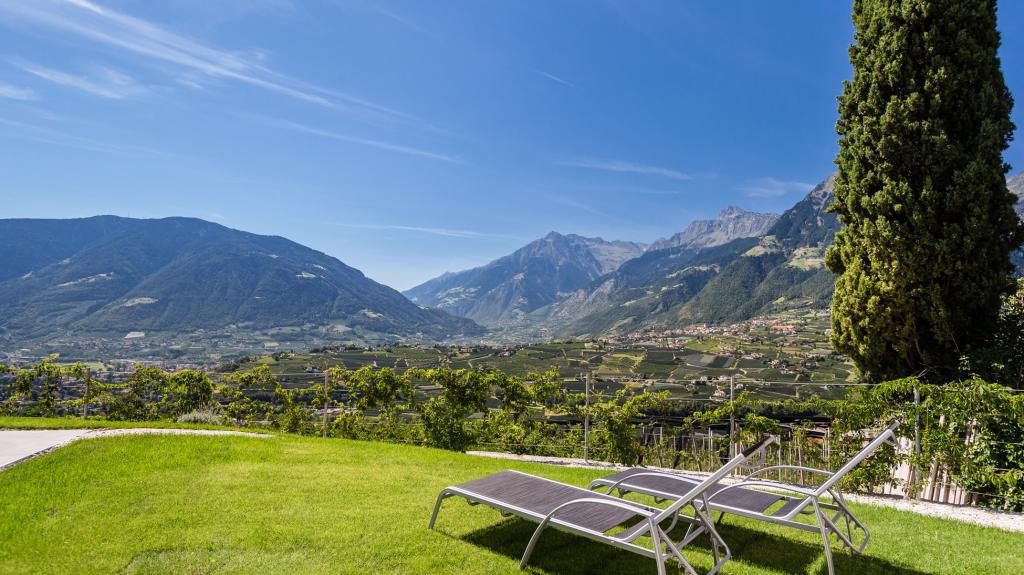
566	554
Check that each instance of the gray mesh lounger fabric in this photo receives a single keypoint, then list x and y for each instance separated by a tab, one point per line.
540	497
668	487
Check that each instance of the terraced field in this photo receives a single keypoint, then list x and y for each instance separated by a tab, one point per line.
767	360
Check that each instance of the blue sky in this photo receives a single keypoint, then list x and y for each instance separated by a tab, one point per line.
411	138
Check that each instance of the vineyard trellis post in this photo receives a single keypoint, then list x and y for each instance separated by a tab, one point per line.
914	473
326	400
586	417
732	416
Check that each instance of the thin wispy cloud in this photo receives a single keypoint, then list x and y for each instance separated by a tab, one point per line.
651	191
625	168
343	137
16	93
115	29
404	21
444	232
554	78
44	135
768	187
102	82
580	206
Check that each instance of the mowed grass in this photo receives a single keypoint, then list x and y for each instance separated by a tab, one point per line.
286	504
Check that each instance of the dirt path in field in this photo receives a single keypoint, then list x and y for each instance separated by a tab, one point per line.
17	445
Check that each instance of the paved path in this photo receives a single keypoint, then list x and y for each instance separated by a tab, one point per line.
18	445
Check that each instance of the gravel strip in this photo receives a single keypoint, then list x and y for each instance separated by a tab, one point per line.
159	431
1005	520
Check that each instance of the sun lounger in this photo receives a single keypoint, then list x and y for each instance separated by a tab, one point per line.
771	501
603	518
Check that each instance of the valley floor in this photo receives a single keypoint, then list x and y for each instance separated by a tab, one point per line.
204	504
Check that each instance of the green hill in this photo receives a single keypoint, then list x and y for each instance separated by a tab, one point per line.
109	277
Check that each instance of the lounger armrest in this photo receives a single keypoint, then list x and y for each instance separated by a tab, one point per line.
767	485
621	504
625	480
789	468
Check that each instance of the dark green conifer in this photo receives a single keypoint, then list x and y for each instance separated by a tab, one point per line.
929	225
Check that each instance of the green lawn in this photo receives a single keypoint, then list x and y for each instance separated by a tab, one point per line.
193	504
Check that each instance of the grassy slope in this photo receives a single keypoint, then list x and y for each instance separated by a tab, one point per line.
160	504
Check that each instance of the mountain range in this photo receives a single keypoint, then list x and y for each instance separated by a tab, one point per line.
116	278
536	275
108	276
564	275
733	268
729	281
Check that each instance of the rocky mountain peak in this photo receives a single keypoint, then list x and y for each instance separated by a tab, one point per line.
732	212
732	223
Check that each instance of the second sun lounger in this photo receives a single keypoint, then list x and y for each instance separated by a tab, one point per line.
597	516
757	498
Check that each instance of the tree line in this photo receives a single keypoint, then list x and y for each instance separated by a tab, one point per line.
969	429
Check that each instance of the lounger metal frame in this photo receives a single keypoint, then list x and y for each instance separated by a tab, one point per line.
700	523
803	500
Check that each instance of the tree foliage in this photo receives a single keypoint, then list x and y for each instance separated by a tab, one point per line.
191	390
929	225
463	392
972	429
142	393
1002	360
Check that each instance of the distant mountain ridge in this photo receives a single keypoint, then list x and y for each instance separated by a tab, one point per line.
709	281
509	288
786	268
732	223
110	276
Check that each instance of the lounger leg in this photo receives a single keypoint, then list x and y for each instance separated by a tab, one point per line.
656	541
533	543
850	518
824	537
720	549
679	555
437	506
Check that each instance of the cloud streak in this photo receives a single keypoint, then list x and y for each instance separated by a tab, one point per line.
580	206
16	93
412	25
768	187
556	79
342	137
118	30
625	168
104	82
34	133
444	232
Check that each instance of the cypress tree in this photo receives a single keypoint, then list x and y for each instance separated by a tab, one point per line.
928	223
